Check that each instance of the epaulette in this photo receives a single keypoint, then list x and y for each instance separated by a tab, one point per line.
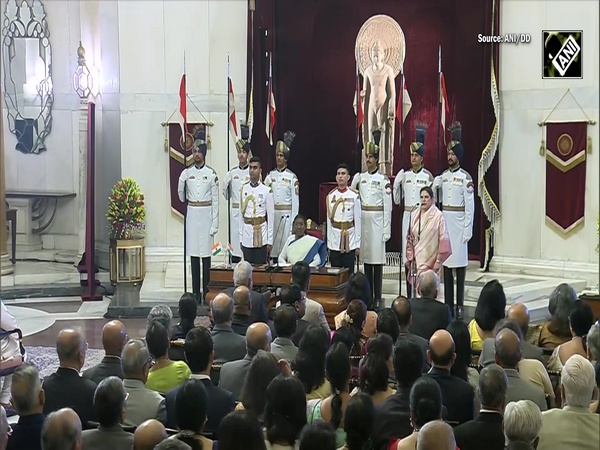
288	170
331	191
353	190
466	173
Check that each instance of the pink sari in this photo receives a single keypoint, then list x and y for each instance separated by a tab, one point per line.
428	243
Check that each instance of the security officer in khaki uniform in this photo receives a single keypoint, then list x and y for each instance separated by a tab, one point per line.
199	189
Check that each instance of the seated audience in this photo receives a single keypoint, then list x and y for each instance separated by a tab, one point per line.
425	406
172	444
9	348
109	406
580	322
522	424
436	435
148	435
310	362
489	310
376	367
284	321
462	342
292	295
556	331
66	387
314	312
593	351
241	430
233	373
318	435
573	426
358	288
285	413
457	394
387	323
62	431
199	355
508	355
4	428
28	402
358	422
161	314
263	369
242	310
354	321
403	312
188	308
428	314
165	374
520	314
530	351
300	246
142	403
392	417
242	276
113	340
487	425
191	404
229	346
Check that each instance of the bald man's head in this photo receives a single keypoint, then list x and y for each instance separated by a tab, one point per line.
148	434
441	351
508	349
436	435
3	428
113	337
221	308
242	301
258	337
71	347
62	430
520	314
402	309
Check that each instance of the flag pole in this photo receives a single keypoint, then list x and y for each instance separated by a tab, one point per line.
228	156
400	260
185	196
358	149
439	123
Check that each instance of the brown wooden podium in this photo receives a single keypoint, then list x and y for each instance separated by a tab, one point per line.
327	285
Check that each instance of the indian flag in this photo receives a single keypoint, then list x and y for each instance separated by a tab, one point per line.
230	248
216	249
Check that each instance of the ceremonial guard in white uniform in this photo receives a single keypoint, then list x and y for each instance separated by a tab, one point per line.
199	189
375	191
458	206
256	211
407	186
286	188
232	186
343	221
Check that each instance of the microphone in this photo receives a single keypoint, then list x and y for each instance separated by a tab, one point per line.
271	268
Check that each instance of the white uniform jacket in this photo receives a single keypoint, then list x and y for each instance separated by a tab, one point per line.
256	215
231	188
202	215
458	206
375	193
286	188
343	220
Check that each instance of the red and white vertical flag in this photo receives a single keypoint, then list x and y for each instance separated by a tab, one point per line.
232	120
444	105
358	104
183	102
271	108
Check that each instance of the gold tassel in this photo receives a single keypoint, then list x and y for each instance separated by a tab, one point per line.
166	145
589	144
208	142
543	148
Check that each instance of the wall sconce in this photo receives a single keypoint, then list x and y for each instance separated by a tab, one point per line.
83	81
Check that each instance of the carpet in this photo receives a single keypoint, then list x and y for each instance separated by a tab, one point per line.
46	359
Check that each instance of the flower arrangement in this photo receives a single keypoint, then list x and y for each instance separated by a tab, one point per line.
126	210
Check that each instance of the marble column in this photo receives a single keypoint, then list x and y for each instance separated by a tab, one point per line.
6	266
82	191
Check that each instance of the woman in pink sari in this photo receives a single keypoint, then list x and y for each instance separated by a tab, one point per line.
427	243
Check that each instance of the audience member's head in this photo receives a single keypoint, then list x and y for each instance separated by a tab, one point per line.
188	308
172	444
429	284
337	369
508	349
113	337
318	435
191	405
493	385
27	395
522	423
109	402
509	324
292	295
71	347
358	421
242	301
436	435
221	308
358	287
241	430
593	342
355	317
62	431
462	343
285	320
387	323
301	275
346	336
157	339
258	337
242	274
402	310
441	351
425	401
520	314
4	428
310	360
581	320
162	314
135	359
577	382
148	435
199	350
490	305
285	410
560	304
263	369
377	364
408	363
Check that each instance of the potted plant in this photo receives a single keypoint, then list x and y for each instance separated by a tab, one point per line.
126	214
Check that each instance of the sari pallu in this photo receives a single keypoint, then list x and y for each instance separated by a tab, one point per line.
308	249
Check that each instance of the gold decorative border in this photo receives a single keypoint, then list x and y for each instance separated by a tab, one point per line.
565	166
178	156
566	232
177	214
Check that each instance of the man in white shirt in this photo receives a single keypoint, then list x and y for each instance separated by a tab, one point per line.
9	347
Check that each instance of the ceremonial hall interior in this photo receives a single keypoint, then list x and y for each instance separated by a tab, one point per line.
391	208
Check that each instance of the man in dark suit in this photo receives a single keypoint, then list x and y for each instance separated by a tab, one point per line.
113	340
199	355
242	310
486	429
292	295
457	394
428	315
242	276
66	387
28	401
228	345
402	309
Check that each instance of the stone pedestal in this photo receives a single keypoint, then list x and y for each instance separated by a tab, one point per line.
27	241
